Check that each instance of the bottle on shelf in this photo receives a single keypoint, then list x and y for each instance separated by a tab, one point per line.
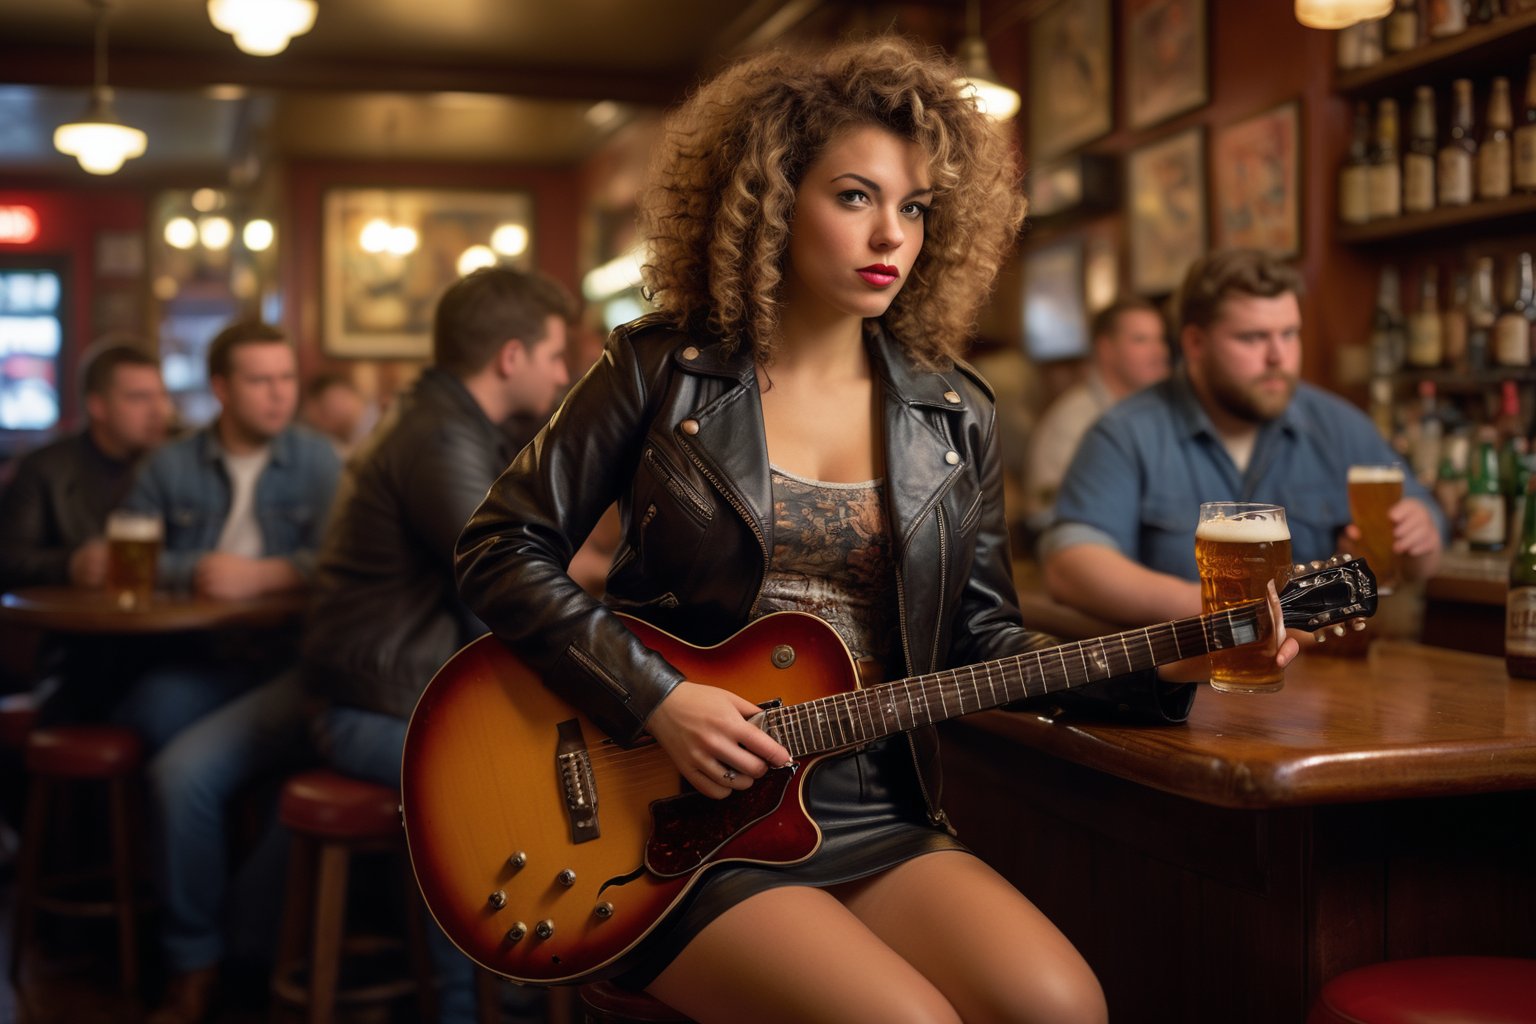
1520	604
1450	491
1453	323
1484	11
1419	158
1386	176
1482	313
1402	28
1389	339
1355	174
1428	444
1447	18
1517	311
1425	346
1525	136
1484	503
1493	156
1459	154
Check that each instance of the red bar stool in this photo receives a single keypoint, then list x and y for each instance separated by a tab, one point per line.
603	1002
1431	990
71	755
332	817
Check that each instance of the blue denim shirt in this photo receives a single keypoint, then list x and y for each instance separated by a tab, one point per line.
185	482
1141	472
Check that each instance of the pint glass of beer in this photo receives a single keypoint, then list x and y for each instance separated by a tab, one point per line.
1239	547
1373	490
133	550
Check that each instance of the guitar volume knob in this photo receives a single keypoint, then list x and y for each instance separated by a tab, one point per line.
516	932
497	899
517	860
544	929
566	878
603	910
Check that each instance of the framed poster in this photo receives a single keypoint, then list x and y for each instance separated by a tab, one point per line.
1166	59
389	253
1166	210
1070	97
1055	318
1255	169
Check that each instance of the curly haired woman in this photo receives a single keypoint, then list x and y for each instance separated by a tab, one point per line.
793	431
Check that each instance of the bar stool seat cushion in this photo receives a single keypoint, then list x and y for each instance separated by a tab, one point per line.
332	806
84	751
1432	990
607	1003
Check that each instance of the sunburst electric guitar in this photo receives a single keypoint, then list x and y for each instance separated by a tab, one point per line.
547	851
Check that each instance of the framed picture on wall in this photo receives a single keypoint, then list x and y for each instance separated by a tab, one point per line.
389	253
1070	97
1165	208
1055	317
1166	59
1256	196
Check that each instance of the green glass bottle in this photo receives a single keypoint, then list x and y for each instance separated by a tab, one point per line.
1485	505
1520	605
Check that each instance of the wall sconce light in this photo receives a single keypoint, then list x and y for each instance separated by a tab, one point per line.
1340	13
99	139
977	79
262	27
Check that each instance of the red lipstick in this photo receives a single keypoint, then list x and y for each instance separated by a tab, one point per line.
879	275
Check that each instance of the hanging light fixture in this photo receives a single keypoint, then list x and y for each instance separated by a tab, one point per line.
977	79
1340	13
99	140
262	27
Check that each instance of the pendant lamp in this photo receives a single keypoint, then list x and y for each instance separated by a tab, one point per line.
1340	13
99	139
262	27
977	79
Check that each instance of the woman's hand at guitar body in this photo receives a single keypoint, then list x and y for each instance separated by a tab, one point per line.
706	732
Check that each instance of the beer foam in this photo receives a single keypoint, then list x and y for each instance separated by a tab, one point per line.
1243	531
1375	474
139	528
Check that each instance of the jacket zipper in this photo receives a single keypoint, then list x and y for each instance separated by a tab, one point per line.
936	814
678	487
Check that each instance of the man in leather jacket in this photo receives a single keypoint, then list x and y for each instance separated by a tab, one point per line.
385	613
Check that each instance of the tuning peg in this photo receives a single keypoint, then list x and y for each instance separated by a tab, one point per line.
1298	569
1316	564
1346	558
1321	636
1358	625
1338	630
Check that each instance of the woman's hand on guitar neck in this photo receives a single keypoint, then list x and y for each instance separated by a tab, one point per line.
1281	642
704	729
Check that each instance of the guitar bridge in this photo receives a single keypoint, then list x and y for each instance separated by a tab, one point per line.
573	765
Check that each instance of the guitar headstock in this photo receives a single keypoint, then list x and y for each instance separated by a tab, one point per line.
1329	594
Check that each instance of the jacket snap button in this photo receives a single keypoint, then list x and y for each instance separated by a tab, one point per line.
951	398
690	426
690	353
953	458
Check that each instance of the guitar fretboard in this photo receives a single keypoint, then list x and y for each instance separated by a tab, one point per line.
860	716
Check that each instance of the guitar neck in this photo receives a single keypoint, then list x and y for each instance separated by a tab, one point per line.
860	716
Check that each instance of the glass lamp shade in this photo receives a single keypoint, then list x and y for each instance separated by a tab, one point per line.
262	27
980	83
99	140
1340	13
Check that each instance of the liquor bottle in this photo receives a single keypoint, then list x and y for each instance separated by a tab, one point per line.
1425	346
1459	153
1520	605
1482	312
1453	323
1373	45
1386	176
1450	492
1402	29
1493	160
1447	18
1429	443
1419	159
1525	136
1484	11
1389	339
1355	174
1346	51
1512	329
1484	502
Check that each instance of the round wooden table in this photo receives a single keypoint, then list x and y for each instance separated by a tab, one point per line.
78	610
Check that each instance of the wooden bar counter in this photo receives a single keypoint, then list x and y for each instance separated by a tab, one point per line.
1222	870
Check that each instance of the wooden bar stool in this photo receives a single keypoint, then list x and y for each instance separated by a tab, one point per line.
603	1002
332	817
1431	990
70	755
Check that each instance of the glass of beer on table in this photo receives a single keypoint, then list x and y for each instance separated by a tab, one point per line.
133	552
1239	547
1373	490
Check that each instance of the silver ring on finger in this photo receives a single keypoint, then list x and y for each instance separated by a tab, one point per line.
730	776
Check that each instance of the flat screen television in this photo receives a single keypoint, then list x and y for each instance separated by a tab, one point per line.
34	301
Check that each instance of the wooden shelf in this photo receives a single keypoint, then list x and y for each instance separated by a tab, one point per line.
1474	52
1461	381
1499	216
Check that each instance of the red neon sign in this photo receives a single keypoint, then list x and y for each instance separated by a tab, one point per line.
18	224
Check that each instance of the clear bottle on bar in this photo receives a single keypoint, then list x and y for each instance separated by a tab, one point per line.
1355	174
1458	157
1484	503
1402	28
1419	158
1447	18
1389	339
1512	329
1525	136
1386	173
1520	604
1425	346
1429	436
1453	322
1482	313
1493	156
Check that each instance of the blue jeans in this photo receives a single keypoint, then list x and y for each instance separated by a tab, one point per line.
191	782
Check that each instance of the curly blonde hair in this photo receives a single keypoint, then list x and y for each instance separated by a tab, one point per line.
717	215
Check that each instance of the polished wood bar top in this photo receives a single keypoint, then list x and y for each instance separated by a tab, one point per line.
1408	720
79	610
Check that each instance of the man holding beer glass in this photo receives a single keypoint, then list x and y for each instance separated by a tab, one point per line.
1234	422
